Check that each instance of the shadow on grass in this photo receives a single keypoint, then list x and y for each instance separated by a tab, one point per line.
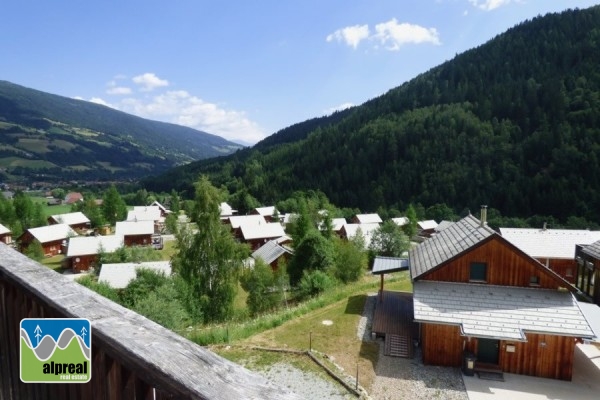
355	304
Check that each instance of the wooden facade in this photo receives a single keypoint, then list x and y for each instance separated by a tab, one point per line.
506	266
545	356
6	238
566	268
137	240
490	259
51	248
82	263
132	357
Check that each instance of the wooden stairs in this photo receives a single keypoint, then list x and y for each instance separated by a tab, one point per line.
398	346
487	371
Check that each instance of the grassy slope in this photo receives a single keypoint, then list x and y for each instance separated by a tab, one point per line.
339	340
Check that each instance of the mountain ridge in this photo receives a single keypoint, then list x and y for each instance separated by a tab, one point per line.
40	133
512	123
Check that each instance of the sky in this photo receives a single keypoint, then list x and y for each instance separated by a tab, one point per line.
242	69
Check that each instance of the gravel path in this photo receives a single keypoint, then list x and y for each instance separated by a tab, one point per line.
363	330
306	384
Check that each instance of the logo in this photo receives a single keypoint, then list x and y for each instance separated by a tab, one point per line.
56	350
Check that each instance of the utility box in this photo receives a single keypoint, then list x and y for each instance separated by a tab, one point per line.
469	363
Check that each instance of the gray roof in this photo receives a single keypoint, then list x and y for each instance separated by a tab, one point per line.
592	249
591	313
119	275
127	228
270	251
443	225
447	244
262	231
499	312
51	233
383	265
3	229
89	245
549	243
368	218
73	218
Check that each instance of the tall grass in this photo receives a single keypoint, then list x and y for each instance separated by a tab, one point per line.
237	330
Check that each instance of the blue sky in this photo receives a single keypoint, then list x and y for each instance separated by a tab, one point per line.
242	69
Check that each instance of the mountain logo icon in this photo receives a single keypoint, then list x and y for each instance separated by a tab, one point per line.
55	350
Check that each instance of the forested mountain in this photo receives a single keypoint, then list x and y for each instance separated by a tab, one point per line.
513	123
57	138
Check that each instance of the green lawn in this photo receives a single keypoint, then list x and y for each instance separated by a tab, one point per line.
51	210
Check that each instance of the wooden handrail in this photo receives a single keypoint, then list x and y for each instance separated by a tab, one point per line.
132	357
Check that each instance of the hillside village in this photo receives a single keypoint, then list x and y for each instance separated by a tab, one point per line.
450	264
441	240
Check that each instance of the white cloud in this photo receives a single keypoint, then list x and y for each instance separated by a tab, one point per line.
180	107
118	90
149	82
489	5
98	100
351	35
340	107
393	35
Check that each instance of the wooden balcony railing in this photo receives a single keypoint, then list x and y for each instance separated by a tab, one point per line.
132	357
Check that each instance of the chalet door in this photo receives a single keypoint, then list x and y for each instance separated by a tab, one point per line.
487	350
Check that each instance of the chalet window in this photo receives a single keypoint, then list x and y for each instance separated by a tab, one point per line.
478	272
534	280
569	273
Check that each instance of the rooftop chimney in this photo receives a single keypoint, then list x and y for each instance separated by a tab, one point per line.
483	215
545	226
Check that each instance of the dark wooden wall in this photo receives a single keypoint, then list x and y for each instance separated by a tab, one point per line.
84	262
545	356
562	267
505	266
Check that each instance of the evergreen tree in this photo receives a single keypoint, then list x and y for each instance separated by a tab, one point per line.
113	207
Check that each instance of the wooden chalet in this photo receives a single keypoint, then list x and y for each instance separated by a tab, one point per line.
266	212
5	235
257	235
272	253
164	211
53	238
73	197
236	221
76	220
83	251
349	231
135	233
147	213
474	292
226	211
426	228
588	271
555	248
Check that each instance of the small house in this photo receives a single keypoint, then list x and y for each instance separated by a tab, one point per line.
555	248
236	221
477	294
366	219
272	253
119	275
266	212
426	228
73	197
257	235
76	220
135	233
83	251
53	238
226	211
148	213
164	211
5	235
349	231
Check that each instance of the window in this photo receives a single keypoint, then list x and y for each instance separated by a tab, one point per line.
478	272
534	280
569	273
